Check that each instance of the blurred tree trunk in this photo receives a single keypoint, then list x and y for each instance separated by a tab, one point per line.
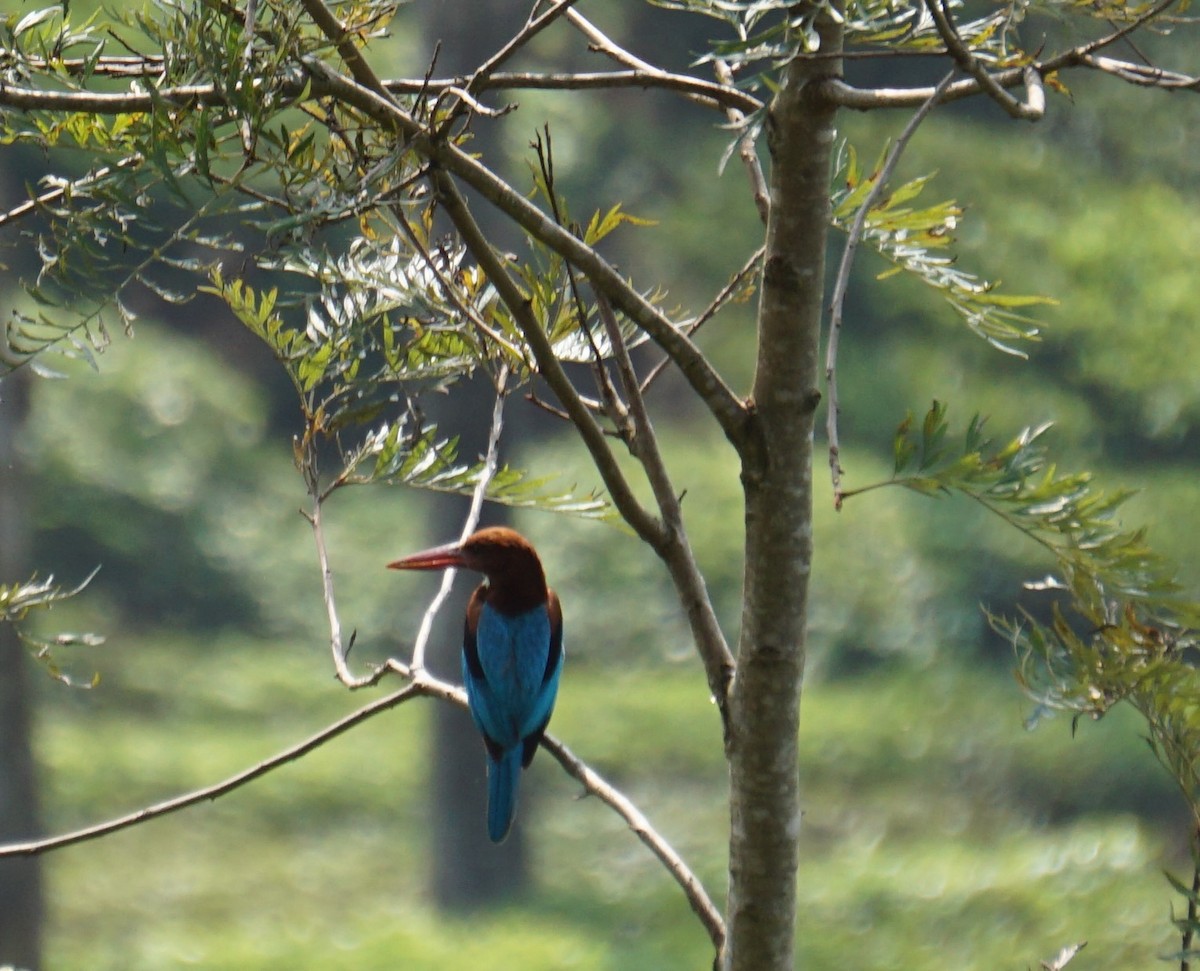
468	870
21	908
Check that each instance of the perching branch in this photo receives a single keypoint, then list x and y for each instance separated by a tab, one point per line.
422	685
164	808
842	282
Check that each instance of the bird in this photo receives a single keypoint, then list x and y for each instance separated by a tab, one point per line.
512	654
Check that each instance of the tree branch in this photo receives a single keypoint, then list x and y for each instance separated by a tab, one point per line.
423	685
1034	105
455	206
533	27
35	847
838	299
603	44
747	150
692	888
676	552
728	409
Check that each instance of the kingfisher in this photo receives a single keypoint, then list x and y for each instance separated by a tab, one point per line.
512	654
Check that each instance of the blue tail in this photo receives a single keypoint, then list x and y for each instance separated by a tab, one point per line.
503	778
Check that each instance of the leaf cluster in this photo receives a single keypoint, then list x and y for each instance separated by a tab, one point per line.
915	240
17	600
1119	630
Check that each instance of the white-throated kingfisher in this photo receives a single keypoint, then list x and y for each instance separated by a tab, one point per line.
512	654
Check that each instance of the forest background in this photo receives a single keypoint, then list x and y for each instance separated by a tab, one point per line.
946	823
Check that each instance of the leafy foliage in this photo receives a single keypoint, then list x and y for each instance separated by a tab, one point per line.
17	600
914	241
1131	638
773	32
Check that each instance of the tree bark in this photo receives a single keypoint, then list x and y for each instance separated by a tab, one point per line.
777	482
21	906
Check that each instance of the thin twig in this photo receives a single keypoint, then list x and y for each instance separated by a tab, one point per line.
726	292
842	282
533	26
35	847
693	889
490	462
699	90
747	150
603	44
627	503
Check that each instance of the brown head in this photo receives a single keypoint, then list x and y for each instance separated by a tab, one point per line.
516	581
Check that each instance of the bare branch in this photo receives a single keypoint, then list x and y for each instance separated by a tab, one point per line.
642	522
704	92
1143	75
35	847
709	93
108	102
534	26
675	551
838	299
693	889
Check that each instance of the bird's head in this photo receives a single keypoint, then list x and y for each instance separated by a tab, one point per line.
503	555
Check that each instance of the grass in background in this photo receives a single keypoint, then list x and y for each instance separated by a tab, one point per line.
938	833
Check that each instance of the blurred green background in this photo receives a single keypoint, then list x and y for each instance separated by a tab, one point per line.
939	831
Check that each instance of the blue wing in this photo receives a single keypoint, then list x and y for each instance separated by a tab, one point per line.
511	666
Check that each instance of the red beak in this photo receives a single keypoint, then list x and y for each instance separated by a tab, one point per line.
438	558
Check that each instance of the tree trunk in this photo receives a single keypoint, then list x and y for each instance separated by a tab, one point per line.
777	481
20	879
